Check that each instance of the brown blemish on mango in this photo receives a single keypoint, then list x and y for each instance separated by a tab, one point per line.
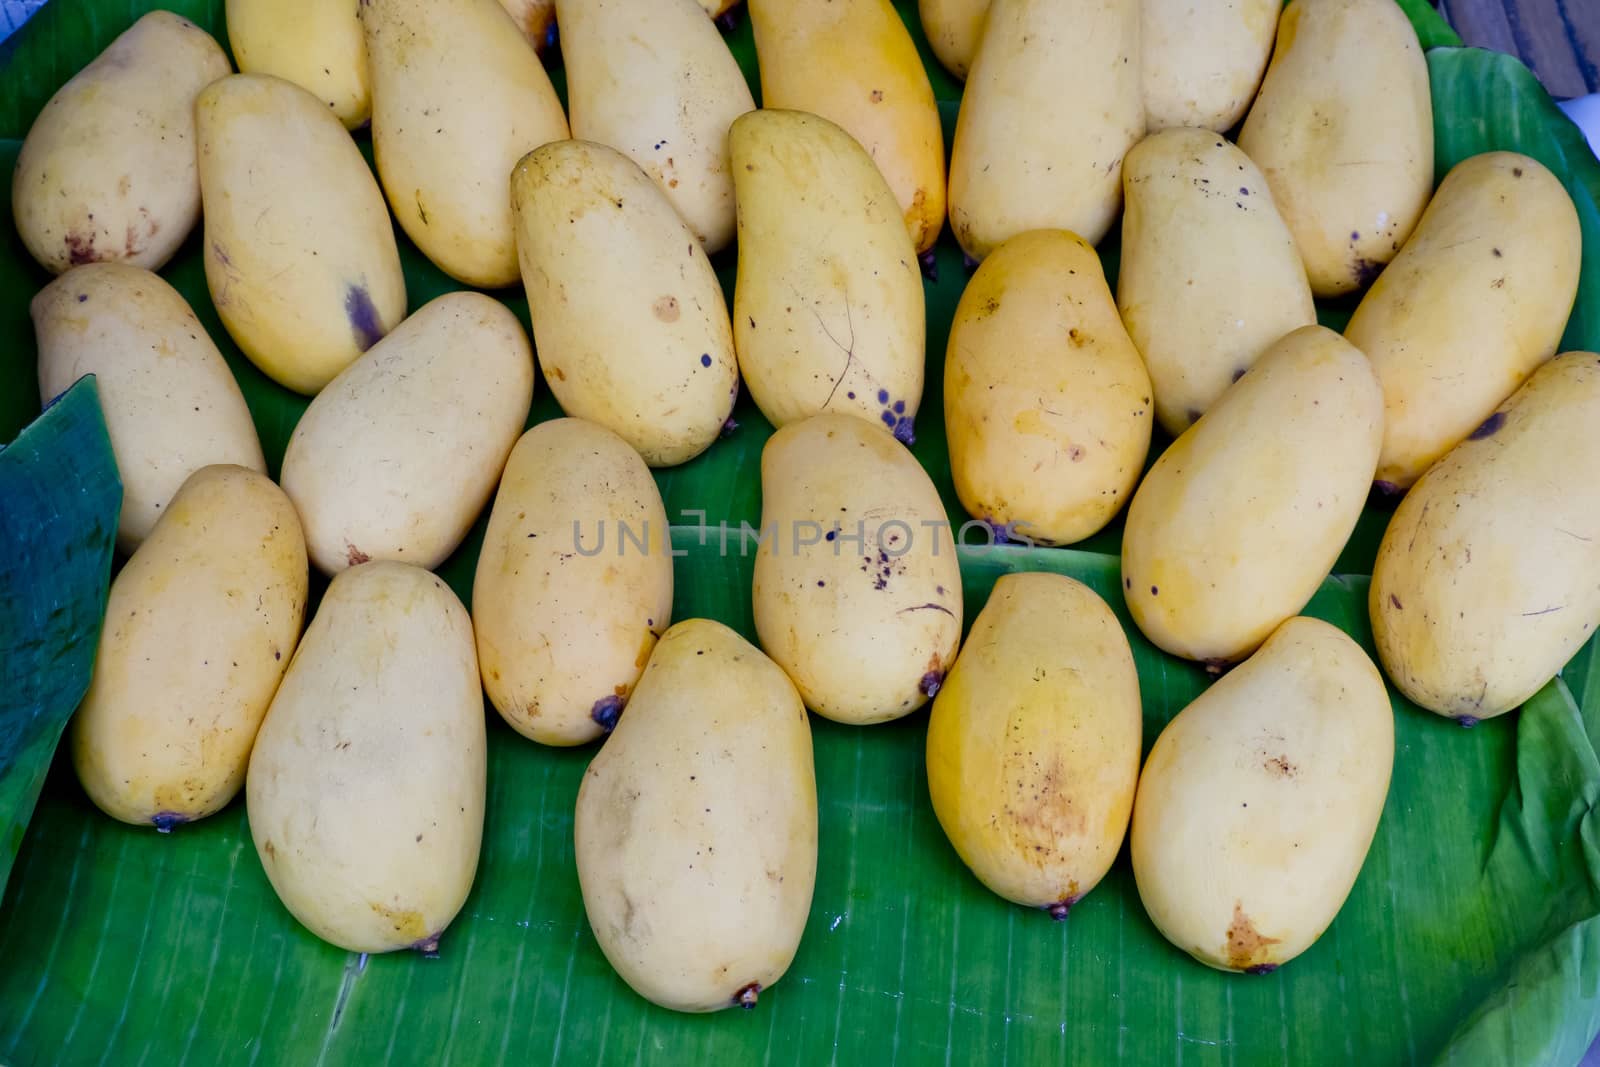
1245	943
407	922
1280	767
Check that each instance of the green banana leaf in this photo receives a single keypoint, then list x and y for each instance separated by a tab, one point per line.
1470	936
59	500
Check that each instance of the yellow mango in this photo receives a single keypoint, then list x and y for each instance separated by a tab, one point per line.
696	825
300	255
1203	62
857	587
200	626
954	28
171	404
629	320
399	454
828	309
853	62
654	80
366	787
1259	801
1210	276
1343	131
574	583
107	171
1048	113
458	97
316	44
1241	519
1033	742
1488	579
1046	402
1477	299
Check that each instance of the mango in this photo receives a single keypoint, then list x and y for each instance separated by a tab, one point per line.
1046	402
399	454
171	404
1488	579
654	80
1210	276
1033	742
458	97
107	170
366	787
1343	130
1203	62
696	825
574	583
315	44
1241	519
853	63
200	626
1477	299
828	307
953	28
1260	799
629	319
866	633
300	255
1048	113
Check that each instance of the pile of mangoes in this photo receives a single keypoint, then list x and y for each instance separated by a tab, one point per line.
360	743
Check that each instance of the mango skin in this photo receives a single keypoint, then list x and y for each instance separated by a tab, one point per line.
696	825
1259	801
853	63
1343	130
1477	299
200	626
366	787
1033	742
1488	579
399	454
563	634
828	310
171	404
654	79
1046	402
300	255
107	171
458	98
1203	62
1210	277
1240	520
629	320
953	28
857	588
313	43
1023	159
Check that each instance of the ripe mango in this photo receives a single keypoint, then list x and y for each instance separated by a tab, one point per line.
366	787
1241	519
1343	130
857	589
1260	799
1046	402
1488	578
574	583
1033	742
1477	299
696	825
828	308
629	320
